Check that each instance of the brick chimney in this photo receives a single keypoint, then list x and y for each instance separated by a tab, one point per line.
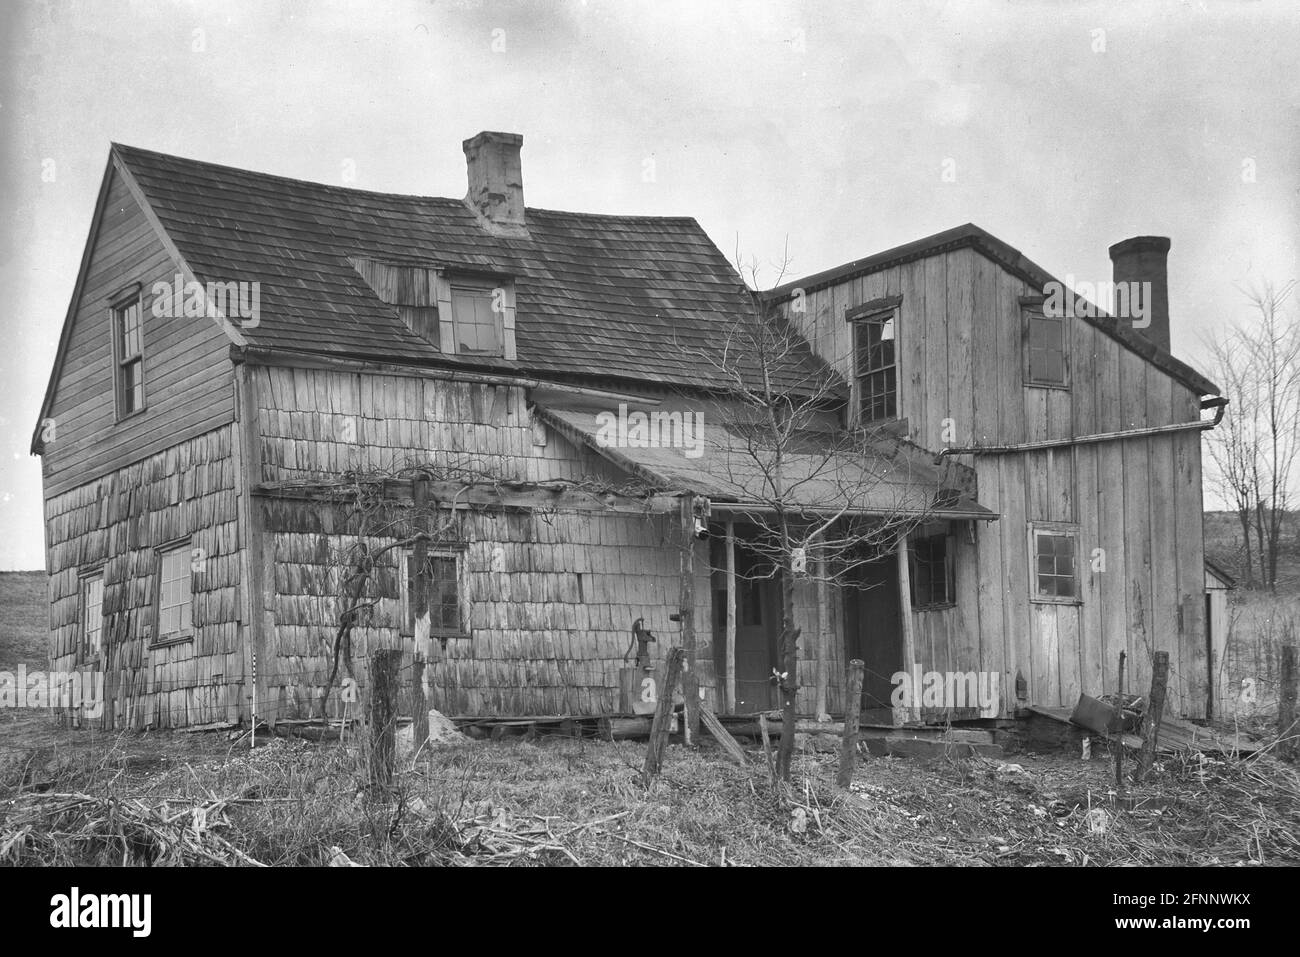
496	182
1143	259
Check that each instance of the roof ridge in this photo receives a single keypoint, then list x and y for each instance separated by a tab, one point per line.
118	147
126	148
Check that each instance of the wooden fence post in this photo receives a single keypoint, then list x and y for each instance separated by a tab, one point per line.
1288	734
1155	711
852	716
654	756
383	715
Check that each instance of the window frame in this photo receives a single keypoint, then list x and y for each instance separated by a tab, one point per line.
878	312
1069	530
84	654
187	630
118	306
949	599
453	550
1031	310
467	285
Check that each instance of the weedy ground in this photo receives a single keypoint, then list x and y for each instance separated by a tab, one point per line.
162	799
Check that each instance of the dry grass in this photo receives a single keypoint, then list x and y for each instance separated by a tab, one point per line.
566	802
24	620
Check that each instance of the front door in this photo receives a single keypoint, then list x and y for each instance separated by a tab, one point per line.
874	633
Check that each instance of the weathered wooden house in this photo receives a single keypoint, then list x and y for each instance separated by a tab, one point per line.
260	379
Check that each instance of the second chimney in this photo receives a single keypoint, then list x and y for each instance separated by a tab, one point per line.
1144	259
496	181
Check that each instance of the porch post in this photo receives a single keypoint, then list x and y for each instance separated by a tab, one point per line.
905	610
823	641
731	617
690	676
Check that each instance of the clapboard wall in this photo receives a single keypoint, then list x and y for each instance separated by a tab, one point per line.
552	594
1137	502
115	523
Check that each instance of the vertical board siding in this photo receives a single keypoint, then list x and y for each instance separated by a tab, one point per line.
1136	503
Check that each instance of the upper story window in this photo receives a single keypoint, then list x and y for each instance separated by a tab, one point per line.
875	368
1046	355
478	317
128	355
175	603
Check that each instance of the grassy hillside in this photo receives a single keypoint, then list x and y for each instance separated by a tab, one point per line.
24	620
1223	546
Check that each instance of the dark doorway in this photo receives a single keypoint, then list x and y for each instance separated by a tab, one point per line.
758	620
874	633
758	629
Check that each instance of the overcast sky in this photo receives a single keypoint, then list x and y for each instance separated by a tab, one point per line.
823	128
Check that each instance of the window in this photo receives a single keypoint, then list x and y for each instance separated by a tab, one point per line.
175	605
477	325
1054	565
128	349
92	615
875	367
931	572
442	569
1045	353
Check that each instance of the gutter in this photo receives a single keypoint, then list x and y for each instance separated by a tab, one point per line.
1218	403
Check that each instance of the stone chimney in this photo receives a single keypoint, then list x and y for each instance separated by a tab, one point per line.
1142	260
496	182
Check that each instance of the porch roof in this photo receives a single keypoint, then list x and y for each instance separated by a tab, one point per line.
734	466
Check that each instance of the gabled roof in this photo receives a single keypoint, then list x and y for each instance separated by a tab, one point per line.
1014	262
637	297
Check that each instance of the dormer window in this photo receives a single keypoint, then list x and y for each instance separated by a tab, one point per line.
478	318
461	313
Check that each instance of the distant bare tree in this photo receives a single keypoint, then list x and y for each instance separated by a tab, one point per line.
1254	450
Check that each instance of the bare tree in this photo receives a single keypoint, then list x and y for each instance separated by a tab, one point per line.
1253	454
825	494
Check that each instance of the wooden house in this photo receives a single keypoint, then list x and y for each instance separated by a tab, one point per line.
260	379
